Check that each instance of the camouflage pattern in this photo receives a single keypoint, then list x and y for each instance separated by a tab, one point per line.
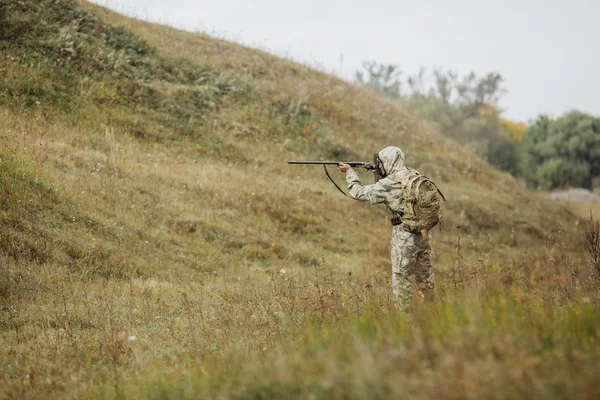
411	253
386	191
411	259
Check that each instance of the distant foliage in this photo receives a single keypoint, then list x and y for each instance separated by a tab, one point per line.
505	153
516	130
563	151
463	108
382	77
549	154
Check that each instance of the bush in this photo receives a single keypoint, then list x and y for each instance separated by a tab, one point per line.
565	151
505	154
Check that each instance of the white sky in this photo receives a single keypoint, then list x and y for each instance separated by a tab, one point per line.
548	51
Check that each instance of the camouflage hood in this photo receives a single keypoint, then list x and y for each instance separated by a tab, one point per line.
393	160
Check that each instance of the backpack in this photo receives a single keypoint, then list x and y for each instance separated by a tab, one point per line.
422	202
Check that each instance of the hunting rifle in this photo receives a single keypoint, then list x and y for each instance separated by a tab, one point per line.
359	164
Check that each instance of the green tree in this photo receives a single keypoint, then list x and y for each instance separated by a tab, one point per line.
565	151
505	153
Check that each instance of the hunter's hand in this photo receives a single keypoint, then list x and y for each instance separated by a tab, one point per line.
344	167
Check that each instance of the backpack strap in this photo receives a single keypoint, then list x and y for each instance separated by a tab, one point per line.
410	180
438	190
423	179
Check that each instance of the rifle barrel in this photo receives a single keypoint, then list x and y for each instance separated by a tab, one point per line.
351	163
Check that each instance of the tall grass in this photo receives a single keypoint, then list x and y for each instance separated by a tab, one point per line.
591	238
308	333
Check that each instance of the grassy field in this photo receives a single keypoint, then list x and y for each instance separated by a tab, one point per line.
155	244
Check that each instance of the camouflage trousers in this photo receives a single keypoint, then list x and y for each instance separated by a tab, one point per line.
411	257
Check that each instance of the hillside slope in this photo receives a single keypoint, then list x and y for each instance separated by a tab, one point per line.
221	115
144	191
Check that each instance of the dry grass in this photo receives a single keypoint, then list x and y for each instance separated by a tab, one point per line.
591	239
153	243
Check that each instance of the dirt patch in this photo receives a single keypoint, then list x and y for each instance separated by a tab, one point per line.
575	194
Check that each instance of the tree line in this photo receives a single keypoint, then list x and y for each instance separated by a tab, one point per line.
550	153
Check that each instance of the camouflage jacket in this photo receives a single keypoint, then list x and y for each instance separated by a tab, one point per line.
388	190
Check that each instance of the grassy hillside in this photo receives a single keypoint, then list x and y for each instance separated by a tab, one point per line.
154	242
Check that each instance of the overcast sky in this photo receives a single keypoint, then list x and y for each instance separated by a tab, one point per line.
548	51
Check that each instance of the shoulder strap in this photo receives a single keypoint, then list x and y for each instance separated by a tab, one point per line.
439	191
335	184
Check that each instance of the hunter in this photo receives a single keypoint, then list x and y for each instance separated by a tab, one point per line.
411	252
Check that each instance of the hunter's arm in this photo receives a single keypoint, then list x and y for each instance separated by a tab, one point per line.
371	194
